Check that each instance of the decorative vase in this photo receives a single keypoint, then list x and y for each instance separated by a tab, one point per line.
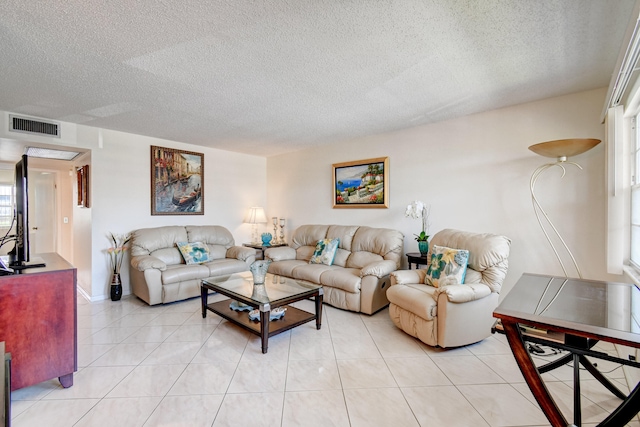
423	247
116	287
259	271
260	293
266	239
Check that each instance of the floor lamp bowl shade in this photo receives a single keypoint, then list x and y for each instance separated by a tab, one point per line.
564	147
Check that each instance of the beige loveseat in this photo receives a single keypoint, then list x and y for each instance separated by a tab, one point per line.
453	315
159	273
358	278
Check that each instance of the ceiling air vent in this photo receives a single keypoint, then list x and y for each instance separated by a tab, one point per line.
34	127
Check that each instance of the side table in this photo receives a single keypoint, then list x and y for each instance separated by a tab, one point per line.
417	258
260	247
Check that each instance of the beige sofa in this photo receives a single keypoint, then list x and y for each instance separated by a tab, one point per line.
359	276
159	273
454	315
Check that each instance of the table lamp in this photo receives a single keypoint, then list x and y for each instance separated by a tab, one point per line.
255	216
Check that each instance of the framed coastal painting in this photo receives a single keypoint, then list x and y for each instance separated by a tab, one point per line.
361	184
177	182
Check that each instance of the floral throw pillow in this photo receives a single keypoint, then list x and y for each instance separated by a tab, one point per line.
447	266
325	251
193	252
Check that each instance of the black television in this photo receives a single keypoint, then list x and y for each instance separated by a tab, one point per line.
19	257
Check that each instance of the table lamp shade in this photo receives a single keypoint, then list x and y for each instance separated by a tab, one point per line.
255	215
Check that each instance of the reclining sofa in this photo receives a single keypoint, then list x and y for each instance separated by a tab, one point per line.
358	278
159	272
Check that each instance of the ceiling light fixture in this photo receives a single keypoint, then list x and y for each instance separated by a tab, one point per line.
48	153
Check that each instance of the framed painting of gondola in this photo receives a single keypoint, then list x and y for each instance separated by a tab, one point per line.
177	182
361	184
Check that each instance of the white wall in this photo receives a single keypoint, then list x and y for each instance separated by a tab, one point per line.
121	191
474	172
120	195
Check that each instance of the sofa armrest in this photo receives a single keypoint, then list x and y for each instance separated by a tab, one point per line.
240	252
281	253
463	293
407	277
378	269
144	262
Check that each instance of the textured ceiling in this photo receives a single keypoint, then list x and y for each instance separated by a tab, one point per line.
268	77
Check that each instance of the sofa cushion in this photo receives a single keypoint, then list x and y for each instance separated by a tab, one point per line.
220	267
147	240
282	253
325	251
346	279
170	256
183	272
311	272
308	235
447	266
472	276
343	232
286	267
217	251
210	234
417	299
304	253
362	258
193	252
385	242
341	257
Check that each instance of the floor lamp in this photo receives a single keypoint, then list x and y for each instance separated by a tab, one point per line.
561	150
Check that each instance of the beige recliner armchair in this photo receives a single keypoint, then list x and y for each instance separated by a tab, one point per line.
453	315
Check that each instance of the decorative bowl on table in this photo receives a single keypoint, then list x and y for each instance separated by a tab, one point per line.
276	313
239	306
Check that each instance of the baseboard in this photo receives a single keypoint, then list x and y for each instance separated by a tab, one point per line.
86	296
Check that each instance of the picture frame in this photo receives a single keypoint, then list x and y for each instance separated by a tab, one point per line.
361	184
177	182
82	176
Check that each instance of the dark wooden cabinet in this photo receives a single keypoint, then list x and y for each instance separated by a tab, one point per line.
38	323
5	389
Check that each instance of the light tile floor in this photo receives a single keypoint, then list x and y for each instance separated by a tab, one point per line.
141	366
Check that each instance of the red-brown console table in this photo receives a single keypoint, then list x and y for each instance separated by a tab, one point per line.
38	322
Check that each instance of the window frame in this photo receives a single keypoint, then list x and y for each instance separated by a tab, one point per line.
6	224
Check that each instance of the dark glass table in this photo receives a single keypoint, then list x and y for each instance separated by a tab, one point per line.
277	291
573	315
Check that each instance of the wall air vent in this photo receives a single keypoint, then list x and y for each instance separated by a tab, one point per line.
34	127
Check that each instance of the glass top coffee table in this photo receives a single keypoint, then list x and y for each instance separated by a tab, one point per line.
277	291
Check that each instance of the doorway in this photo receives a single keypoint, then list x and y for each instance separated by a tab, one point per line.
42	212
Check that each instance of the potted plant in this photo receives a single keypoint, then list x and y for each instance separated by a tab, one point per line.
419	210
116	255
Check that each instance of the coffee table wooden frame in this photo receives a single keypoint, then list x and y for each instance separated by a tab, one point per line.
264	328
